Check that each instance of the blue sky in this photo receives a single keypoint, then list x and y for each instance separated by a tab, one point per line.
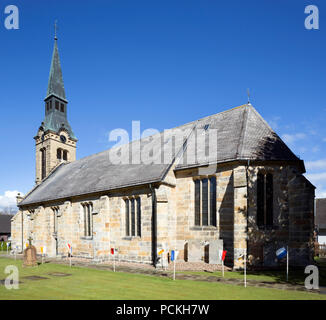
164	63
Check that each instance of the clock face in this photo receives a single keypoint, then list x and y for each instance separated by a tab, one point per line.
63	139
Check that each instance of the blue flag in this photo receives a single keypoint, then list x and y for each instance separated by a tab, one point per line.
172	255
281	253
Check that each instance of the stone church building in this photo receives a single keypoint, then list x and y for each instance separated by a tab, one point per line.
224	181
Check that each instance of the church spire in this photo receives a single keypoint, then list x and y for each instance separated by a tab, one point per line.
55	85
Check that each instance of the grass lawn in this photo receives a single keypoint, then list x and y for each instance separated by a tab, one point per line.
87	283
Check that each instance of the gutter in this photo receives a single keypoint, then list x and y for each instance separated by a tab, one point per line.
154	226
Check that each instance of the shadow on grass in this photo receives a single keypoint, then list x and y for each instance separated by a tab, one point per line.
297	276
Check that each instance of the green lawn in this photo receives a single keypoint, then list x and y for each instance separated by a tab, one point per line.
87	283
295	277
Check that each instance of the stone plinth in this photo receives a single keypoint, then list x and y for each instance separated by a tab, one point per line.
30	257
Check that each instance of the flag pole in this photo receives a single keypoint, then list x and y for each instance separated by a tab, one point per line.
245	268
113	259
174	267
70	254
223	268
287	263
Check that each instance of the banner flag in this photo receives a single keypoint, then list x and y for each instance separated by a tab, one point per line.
174	255
223	255
281	253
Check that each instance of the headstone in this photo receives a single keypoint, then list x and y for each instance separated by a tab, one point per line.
30	255
195	251
214	248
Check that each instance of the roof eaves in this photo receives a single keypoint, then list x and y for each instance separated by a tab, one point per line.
117	187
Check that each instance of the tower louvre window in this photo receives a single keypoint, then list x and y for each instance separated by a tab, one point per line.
59	154
57	104
65	155
205	202
62	109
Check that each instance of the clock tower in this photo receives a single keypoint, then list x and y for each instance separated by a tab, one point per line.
55	140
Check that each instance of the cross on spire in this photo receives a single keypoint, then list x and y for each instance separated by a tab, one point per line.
55	30
248	93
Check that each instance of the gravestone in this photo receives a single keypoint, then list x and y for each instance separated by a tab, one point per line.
30	255
195	251
215	246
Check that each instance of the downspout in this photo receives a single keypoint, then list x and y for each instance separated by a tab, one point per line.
247	228
22	231
154	226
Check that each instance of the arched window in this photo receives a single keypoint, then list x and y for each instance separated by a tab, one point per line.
205	201
265	200
133	217
59	154
65	155
88	219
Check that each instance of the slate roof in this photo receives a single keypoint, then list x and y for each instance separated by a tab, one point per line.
240	134
5	223
320	221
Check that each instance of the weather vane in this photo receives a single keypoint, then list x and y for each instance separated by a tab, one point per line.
55	30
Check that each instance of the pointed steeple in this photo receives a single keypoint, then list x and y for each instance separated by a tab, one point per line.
55	102
55	86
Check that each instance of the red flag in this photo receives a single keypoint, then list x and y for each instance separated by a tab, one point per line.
112	250
223	255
